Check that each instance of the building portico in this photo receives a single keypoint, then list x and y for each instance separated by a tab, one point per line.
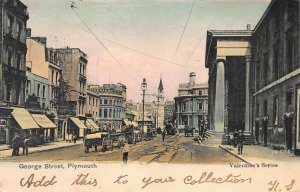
228	57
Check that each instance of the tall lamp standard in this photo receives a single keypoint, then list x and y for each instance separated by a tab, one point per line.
144	88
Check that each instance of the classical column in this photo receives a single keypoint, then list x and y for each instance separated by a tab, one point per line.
220	96
247	102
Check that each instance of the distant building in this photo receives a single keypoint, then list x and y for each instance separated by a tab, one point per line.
112	108
191	104
93	104
73	63
13	21
170	114
276	76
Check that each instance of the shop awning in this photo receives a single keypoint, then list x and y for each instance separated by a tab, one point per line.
91	124
78	123
43	121
24	119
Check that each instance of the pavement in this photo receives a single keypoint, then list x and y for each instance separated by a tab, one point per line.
259	154
6	152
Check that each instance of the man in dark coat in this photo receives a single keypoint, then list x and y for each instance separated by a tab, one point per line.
240	142
16	141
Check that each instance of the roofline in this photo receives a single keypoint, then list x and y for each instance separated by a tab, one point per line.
263	16
230	33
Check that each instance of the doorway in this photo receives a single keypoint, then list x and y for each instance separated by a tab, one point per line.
265	131
289	133
257	131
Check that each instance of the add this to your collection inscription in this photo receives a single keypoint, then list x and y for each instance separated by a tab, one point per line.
86	179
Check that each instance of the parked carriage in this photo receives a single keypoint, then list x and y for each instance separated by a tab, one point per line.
188	131
98	139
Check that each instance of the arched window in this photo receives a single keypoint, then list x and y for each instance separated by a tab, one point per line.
105	101
110	111
105	113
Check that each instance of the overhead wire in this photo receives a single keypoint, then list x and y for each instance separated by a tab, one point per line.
186	23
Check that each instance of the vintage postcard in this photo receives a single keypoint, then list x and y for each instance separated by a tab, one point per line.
149	95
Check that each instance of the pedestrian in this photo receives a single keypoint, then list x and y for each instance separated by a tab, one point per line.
231	137
125	153
240	142
25	145
74	138
163	135
16	145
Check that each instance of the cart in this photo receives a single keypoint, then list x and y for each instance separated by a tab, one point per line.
98	139
117	138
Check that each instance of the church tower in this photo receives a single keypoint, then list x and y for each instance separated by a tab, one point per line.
160	104
160	96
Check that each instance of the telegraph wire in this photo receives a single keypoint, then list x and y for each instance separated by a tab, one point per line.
186	23
125	46
91	31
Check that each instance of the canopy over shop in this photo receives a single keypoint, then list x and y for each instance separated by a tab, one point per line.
45	123
24	124
91	125
76	126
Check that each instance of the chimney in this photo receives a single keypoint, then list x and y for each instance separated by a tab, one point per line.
248	27
192	78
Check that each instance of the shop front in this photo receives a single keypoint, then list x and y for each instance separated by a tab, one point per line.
48	127
76	126
22	123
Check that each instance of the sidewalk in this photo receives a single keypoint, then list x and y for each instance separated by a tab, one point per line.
45	147
259	154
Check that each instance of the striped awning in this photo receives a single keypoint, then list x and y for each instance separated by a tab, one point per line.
78	123
43	121
24	119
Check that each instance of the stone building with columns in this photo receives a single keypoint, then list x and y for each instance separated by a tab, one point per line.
191	104
228	58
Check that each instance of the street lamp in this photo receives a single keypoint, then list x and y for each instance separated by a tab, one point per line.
144	88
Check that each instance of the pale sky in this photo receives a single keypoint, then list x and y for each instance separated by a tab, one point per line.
153	27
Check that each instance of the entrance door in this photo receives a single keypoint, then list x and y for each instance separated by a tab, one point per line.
257	131
289	134
265	130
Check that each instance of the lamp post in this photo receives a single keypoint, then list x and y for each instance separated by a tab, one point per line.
144	88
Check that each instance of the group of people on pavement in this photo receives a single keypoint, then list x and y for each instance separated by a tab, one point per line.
71	138
18	142
237	139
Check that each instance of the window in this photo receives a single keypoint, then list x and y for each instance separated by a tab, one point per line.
275	110
18	61
8	93
105	101
289	98
52	77
276	61
56	78
100	113
110	113
265	107
200	105
257	75
38	90
110	102
266	67
289	52
19	30
28	84
184	106
44	89
10	22
9	61
257	109
100	101
105	113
